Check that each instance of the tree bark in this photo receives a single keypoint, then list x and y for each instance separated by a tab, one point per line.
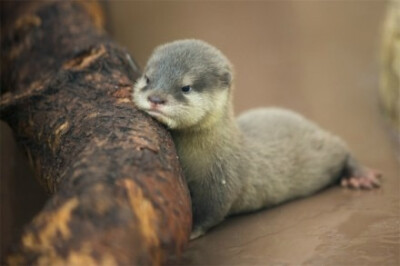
118	192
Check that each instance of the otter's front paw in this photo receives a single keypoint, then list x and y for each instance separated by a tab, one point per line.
197	232
367	179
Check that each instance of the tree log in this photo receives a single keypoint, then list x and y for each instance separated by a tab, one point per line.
118	192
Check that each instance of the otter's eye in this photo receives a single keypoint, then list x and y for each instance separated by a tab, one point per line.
147	79
186	89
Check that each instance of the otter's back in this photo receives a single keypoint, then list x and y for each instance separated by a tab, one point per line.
268	124
291	154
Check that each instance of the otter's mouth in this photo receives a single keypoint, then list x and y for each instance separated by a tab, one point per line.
158	115
161	117
155	113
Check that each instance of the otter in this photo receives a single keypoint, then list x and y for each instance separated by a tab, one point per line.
263	158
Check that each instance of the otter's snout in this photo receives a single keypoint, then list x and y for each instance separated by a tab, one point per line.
156	99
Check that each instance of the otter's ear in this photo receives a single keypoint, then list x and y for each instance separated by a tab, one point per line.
226	79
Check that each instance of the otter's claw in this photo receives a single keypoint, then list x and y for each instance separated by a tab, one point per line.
369	179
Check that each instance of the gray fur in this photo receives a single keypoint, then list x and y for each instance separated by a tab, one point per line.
176	59
266	157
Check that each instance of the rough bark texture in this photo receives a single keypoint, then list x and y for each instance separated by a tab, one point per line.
119	196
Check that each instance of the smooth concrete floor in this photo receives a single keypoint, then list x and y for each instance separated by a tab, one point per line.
316	57
320	58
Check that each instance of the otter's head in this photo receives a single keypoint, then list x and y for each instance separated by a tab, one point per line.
185	84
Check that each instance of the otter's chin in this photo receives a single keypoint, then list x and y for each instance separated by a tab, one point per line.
162	118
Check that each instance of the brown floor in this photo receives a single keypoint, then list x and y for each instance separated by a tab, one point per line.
319	58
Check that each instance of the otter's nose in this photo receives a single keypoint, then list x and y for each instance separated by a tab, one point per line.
156	99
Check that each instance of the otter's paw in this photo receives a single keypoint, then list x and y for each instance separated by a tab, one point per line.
368	179
196	233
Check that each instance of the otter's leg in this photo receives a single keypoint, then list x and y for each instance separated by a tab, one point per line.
210	204
360	177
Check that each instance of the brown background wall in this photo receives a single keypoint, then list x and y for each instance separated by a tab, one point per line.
280	49
317	57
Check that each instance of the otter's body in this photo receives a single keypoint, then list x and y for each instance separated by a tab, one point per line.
265	157
284	144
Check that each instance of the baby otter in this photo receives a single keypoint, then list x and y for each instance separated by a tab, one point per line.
265	157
